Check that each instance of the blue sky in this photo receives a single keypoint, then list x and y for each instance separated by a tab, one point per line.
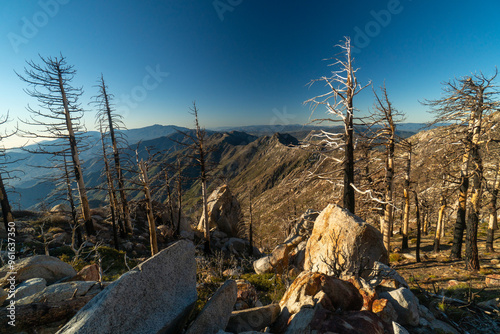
244	62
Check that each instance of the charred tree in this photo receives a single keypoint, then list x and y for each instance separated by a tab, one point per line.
492	208
339	102
466	101
406	196
386	117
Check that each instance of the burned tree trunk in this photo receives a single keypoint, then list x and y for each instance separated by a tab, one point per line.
417	212
439	225
406	194
492	208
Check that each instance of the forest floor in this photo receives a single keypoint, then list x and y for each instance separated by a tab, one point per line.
448	289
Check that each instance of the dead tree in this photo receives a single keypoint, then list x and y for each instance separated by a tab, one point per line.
147	193
339	101
107	114
200	152
113	203
440	224
59	116
386	117
466	101
417	214
4	198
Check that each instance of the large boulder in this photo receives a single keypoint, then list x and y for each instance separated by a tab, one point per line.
155	296
310	288
30	287
224	212
320	320
343	243
215	315
39	266
62	291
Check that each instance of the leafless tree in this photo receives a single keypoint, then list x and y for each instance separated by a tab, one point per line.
113	203
59	116
199	148
384	120
339	101
108	115
466	101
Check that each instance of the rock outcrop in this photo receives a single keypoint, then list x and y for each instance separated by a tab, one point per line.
343	243
155	296
224	212
39	266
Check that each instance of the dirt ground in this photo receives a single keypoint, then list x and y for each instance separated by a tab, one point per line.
450	291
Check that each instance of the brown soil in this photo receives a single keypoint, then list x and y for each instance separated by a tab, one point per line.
436	275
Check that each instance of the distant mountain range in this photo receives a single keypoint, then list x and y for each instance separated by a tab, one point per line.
226	142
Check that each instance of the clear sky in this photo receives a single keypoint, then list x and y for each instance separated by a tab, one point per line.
244	62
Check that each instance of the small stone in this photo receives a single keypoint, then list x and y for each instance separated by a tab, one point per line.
492	280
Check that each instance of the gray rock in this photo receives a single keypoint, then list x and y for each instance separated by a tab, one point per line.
263	265
156	296
215	315
443	326
398	329
62	291
406	305
30	287
224	212
39	266
253	319
301	321
381	271
237	246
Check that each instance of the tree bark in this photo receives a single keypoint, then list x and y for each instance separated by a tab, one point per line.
349	194
389	183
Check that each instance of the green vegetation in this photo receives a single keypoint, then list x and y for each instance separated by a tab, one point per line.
270	287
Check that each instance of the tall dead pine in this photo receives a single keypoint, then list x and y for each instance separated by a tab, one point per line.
466	101
386	117
60	115
339	102
151	219
107	114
